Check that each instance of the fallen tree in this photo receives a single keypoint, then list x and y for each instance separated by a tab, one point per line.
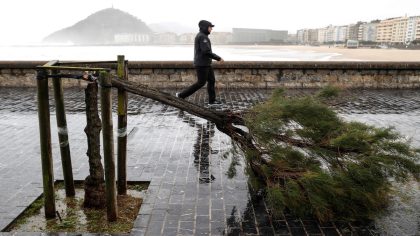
306	157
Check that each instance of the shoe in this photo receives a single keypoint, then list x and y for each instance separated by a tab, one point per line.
216	102
177	95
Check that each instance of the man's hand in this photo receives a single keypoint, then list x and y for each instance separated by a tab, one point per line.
221	60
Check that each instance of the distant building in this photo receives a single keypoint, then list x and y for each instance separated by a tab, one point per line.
384	30
132	38
418	31
322	35
165	38
340	33
187	38
307	36
399	30
292	38
393	30
300	36
353	31
313	36
244	35
413	29
221	37
367	32
329	34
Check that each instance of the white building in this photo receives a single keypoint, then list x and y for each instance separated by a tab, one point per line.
322	35
128	38
413	29
187	38
300	35
329	36
340	33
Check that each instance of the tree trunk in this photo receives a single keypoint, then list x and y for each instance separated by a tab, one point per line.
94	183
226	121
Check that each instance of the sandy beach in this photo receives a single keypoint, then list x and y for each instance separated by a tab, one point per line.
228	52
362	54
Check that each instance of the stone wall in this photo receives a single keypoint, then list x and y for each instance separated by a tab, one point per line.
246	74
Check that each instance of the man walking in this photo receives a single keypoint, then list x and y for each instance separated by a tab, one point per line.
203	56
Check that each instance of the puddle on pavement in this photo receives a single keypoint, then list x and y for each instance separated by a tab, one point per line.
72	217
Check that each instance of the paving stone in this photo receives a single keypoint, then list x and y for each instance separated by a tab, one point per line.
280	227
203	210
202	221
186	228
297	231
142	221
181	156
170	231
249	227
154	228
157	215
330	231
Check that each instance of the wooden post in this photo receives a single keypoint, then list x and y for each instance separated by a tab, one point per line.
122	129
108	143
45	141
63	136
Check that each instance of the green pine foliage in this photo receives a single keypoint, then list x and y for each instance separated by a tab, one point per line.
319	165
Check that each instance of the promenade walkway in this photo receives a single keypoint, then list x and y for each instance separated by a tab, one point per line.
186	160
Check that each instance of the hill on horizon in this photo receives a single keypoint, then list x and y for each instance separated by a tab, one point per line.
99	28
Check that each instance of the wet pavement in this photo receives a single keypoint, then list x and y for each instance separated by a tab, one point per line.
188	163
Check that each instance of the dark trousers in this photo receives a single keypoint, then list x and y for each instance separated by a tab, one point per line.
204	74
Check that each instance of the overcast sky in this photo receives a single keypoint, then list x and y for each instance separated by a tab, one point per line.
29	21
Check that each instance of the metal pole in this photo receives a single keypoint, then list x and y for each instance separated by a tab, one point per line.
45	142
122	129
63	136
108	143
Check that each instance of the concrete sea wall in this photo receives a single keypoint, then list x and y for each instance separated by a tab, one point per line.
308	74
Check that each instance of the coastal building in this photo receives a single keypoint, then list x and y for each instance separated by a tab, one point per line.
391	30
353	31
307	36
399	30
384	30
339	33
313	36
129	38
367	32
300	36
418	31
165	38
322	35
413	29
187	38
292	38
221	37
329	35
245	35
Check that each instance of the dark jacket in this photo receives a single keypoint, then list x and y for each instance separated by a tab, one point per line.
202	46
